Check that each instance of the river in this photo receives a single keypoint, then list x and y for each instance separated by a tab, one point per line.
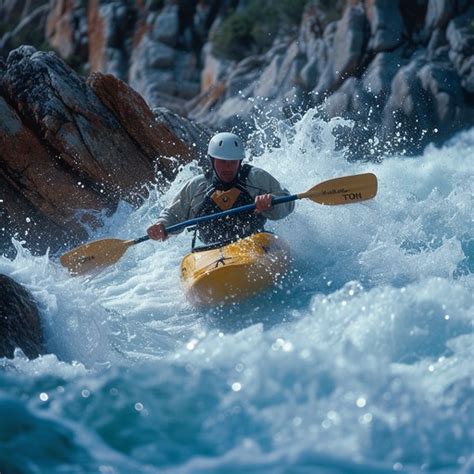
362	361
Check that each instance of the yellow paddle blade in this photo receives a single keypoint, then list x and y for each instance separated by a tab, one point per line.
345	190
94	255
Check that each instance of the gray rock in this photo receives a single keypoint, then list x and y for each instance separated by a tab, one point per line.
379	74
386	25
348	48
217	69
317	57
268	84
460	34
406	116
439	13
339	103
350	42
196	136
67	29
166	25
437	40
33	23
109	26
244	76
20	323
444	86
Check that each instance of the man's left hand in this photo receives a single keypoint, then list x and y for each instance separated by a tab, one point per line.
263	202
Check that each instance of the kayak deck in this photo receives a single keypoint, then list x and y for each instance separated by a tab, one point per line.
235	271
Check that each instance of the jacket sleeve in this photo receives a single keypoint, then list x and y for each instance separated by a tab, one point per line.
179	208
262	182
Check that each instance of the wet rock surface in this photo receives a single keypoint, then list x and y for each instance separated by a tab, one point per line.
71	149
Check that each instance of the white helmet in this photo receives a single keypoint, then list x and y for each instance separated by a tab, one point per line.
226	146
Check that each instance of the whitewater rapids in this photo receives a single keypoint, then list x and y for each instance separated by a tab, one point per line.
361	362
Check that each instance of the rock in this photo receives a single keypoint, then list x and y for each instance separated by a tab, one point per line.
379	74
162	74
438	14
406	117
268	85
244	76
350	42
66	28
110	23
195	135
166	25
349	46
444	87
425	105
460	34
339	103
386	24
39	197
214	68
70	149
73	121
20	324
154	140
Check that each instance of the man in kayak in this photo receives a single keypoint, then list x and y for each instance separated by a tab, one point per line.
230	184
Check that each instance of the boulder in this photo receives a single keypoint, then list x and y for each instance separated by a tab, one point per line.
379	74
406	116
66	28
160	72
426	104
386	25
438	14
460	34
197	136
166	25
444	87
348	48
39	196
70	149
110	26
20	323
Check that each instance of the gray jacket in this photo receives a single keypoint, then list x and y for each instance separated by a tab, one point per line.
189	199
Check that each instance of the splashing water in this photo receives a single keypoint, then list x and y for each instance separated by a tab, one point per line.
362	362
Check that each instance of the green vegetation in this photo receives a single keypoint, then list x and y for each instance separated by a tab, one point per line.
34	37
252	29
155	5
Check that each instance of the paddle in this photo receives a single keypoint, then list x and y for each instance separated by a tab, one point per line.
105	252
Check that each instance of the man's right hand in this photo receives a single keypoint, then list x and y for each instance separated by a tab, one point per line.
157	231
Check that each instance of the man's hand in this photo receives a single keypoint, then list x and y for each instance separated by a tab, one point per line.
157	231
263	202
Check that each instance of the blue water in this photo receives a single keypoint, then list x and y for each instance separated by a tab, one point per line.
362	361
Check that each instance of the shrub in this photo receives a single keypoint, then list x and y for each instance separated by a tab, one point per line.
252	29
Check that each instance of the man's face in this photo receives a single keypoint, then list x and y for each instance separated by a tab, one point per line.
226	169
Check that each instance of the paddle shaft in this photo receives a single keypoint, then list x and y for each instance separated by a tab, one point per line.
216	215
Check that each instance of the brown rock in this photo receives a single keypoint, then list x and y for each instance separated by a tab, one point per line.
35	178
155	140
70	148
60	27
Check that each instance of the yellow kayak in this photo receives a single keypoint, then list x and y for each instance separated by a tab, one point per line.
234	271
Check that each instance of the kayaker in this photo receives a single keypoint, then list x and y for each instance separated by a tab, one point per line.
229	184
